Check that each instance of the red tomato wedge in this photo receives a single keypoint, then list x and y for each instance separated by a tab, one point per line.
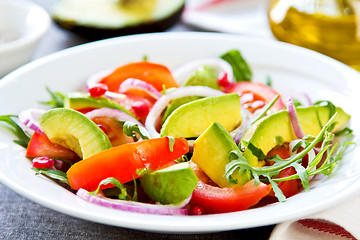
260	93
214	199
123	161
40	146
155	74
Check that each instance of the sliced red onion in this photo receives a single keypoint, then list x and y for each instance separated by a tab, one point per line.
132	206
182	73
245	123
133	83
30	118
97	77
294	119
302	97
115	96
113	113
162	103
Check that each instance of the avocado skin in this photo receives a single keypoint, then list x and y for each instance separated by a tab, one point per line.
94	33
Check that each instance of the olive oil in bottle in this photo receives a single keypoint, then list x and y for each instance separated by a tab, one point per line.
331	27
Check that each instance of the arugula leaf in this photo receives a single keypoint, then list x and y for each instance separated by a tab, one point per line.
345	131
124	195
54	174
131	128
241	69
278	193
23	138
57	99
239	163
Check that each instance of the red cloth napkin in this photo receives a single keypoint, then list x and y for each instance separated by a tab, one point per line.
340	222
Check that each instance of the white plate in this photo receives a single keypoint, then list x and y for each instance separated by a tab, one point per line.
248	17
290	67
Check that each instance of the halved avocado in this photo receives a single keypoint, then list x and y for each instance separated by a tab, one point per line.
99	19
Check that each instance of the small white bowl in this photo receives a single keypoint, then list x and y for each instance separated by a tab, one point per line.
22	25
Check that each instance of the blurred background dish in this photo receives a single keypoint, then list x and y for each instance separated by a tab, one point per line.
22	25
99	19
246	17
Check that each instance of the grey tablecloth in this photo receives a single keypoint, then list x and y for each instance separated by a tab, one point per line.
21	218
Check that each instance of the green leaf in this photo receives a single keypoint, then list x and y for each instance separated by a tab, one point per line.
57	99
345	131
51	173
257	152
110	180
23	138
301	172
278	193
130	128
241	69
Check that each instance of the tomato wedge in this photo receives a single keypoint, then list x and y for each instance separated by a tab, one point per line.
214	199
41	146
122	162
113	129
254	96
155	74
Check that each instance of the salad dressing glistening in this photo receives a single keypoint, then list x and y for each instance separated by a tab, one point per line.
330	27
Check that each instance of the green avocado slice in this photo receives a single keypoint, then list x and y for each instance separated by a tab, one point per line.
99	19
170	185
191	119
73	130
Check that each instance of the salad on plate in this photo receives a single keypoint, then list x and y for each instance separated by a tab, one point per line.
199	139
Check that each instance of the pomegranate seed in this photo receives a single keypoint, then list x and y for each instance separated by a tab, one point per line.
223	80
42	162
197	210
98	90
141	108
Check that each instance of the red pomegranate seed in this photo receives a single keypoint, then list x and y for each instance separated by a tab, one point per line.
42	162
223	80
197	210
141	108
98	90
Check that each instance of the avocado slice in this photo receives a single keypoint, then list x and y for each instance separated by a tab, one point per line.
264	133
99	19
211	154
73	130
177	103
170	185
204	76
191	119
79	100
